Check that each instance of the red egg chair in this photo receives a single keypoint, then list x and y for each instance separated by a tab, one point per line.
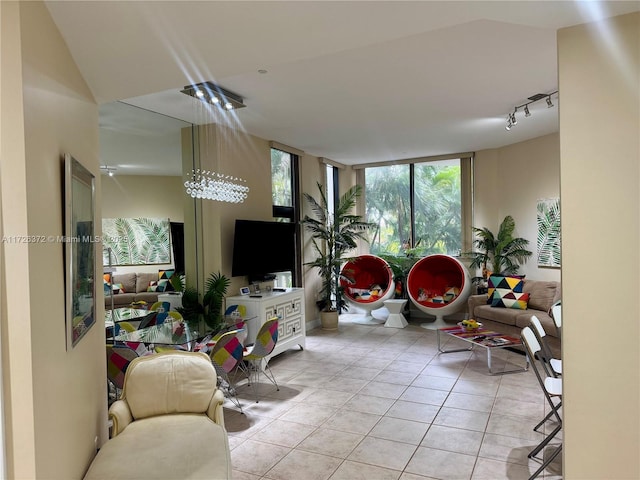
367	281
438	285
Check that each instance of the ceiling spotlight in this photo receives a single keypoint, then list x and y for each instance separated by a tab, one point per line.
511	117
527	113
549	104
514	121
213	94
108	170
509	124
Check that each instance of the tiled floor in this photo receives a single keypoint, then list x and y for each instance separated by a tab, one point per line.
369	402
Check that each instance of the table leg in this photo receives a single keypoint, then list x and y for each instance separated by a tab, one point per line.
451	351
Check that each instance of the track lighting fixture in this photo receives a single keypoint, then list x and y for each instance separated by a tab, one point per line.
212	94
511	118
108	170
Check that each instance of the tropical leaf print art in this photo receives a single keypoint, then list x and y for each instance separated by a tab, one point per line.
136	241
548	219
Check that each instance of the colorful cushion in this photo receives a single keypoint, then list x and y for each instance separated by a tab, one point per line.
164	276
512	282
117	288
153	286
506	298
164	286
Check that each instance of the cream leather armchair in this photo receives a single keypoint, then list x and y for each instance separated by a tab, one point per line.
169	422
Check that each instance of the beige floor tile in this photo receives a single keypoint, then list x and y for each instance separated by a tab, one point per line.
286	434
506	449
330	442
521	393
383	453
354	422
528	410
464	401
383	389
245	425
441	464
442	371
266	407
359	471
411	476
363	373
453	439
398	378
399	430
419	412
416	356
329	398
237	475
486	469
424	395
513	426
476	388
314	466
345	384
401	365
369	404
257	457
457	418
435	383
308	414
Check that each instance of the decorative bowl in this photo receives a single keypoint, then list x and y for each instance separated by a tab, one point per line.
467	328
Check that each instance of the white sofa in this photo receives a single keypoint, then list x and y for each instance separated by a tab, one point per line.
168	423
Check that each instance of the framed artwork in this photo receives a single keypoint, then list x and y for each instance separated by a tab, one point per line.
80	253
548	220
136	241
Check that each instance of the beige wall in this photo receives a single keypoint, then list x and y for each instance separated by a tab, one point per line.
599	73
509	181
49	391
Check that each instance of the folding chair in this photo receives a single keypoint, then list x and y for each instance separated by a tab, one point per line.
556	314
553	366
552	388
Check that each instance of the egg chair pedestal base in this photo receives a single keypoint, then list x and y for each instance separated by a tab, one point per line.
440	322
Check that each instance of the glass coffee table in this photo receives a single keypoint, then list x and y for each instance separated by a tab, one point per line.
487	339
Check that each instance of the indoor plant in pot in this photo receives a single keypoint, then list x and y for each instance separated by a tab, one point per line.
210	310
504	253
332	237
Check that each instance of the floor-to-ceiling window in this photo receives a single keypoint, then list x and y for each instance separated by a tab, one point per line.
286	208
421	206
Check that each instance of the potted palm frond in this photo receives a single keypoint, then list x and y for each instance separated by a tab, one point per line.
333	236
210	310
504	253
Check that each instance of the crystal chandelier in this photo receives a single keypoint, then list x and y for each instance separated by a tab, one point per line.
216	186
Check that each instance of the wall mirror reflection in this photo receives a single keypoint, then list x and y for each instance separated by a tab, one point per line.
142	157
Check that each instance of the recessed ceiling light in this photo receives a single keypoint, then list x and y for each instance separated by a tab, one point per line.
262	70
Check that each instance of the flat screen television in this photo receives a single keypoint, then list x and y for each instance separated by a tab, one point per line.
261	249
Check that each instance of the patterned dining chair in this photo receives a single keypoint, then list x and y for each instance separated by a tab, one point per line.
255	355
226	354
118	359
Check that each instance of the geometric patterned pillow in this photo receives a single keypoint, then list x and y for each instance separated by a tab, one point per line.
165	275
153	286
117	288
514	283
164	286
506	298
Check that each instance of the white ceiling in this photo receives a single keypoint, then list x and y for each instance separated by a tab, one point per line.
356	82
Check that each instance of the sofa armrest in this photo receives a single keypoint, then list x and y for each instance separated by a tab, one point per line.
120	416
215	411
475	301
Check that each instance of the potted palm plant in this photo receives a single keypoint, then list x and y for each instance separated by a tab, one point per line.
332	237
504	253
210	310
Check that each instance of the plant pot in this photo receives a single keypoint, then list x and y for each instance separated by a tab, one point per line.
329	320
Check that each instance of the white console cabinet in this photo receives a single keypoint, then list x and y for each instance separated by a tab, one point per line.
288	306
